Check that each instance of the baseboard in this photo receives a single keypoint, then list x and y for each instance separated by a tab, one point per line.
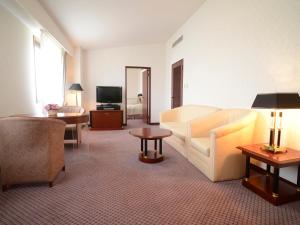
154	123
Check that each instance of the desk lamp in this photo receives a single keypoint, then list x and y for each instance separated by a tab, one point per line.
276	101
76	87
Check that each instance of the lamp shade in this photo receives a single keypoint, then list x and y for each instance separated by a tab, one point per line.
75	87
277	101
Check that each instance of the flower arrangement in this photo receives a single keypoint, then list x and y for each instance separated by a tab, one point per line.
49	107
52	109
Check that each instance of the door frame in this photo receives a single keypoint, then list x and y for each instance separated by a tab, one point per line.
149	91
175	65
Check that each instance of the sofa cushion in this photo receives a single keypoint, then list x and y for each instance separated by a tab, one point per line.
178	129
201	144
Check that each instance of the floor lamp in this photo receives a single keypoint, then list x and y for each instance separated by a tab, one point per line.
77	88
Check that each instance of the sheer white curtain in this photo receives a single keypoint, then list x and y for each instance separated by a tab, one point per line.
49	71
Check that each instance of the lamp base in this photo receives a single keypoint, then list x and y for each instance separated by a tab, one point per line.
274	149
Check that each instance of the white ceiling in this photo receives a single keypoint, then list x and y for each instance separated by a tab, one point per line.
109	23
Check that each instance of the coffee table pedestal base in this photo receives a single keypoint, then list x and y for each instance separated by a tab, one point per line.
152	157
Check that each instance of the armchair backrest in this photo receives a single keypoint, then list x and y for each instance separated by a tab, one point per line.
71	109
31	142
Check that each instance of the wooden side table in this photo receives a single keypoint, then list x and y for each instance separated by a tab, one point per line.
269	185
146	134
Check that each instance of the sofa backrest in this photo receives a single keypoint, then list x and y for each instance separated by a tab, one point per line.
234	114
202	126
190	112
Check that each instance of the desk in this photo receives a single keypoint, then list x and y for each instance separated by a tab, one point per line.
68	118
270	186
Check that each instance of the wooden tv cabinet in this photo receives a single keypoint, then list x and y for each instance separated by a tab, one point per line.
106	119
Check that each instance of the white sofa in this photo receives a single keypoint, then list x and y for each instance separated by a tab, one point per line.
177	120
209	142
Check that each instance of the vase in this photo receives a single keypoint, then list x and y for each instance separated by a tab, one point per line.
52	113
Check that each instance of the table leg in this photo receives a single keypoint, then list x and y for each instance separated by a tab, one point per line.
247	168
73	137
160	146
155	144
275	182
77	136
268	170
298	179
142	144
146	147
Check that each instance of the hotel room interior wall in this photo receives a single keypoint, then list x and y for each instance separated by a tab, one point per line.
133	82
33	15
74	74
17	92
107	67
235	49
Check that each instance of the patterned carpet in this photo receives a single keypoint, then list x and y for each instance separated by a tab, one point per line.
105	183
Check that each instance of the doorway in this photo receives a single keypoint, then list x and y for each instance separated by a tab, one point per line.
137	95
177	84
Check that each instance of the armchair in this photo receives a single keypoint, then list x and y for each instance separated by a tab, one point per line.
73	131
31	150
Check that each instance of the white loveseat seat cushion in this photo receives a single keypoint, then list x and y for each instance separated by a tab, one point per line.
202	145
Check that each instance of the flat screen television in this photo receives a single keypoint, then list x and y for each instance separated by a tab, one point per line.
108	94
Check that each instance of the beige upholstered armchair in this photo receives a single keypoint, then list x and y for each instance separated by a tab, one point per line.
31	150
73	131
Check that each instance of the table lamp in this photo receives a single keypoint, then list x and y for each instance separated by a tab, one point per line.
276	101
76	87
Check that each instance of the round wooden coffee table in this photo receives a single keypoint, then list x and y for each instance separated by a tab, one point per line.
145	134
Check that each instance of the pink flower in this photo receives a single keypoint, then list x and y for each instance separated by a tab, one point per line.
51	107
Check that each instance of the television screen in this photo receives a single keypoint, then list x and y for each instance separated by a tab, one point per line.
106	94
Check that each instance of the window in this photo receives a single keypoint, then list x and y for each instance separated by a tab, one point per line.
49	70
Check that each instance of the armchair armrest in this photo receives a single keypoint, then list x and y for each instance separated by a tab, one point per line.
170	115
234	126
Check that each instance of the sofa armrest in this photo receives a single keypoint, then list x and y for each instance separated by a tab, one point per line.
234	126
171	115
227	160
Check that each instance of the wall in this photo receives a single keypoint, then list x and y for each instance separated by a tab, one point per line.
35	17
74	73
17	92
107	67
235	49
133	83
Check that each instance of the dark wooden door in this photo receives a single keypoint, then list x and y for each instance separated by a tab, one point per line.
146	74
177	84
